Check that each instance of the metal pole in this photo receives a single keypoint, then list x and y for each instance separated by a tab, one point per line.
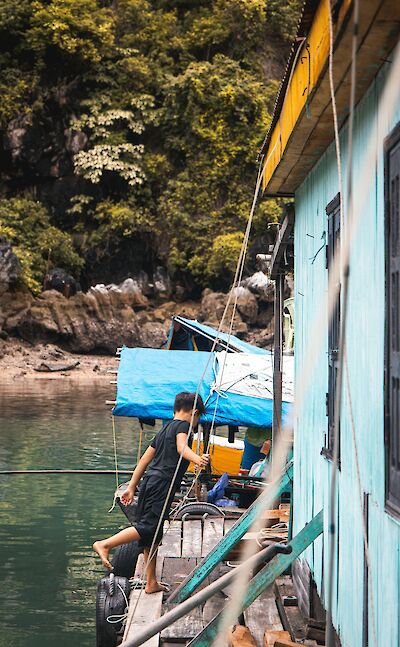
278	349
199	598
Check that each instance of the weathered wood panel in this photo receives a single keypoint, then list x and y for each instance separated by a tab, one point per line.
263	615
213	532
228	523
172	541
143	609
302	585
192	538
174	572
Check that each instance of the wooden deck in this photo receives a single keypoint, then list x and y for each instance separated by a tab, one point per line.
184	544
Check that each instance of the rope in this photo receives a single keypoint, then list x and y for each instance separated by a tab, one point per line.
114	619
238	273
344	275
115	463
317	331
139	452
236	284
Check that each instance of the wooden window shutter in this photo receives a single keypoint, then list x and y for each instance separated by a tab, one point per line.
392	417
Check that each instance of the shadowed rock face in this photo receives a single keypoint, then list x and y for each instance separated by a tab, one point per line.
84	323
109	316
58	279
10	268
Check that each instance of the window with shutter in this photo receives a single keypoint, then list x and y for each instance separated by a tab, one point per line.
392	368
333	246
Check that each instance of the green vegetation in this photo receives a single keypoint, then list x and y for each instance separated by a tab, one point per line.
135	124
26	225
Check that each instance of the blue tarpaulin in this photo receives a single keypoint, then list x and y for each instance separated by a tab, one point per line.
149	380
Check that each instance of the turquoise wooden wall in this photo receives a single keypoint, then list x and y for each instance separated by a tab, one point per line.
365	348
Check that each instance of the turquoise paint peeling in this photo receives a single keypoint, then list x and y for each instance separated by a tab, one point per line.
365	348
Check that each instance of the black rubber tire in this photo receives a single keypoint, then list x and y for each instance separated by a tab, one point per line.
199	509
110	604
125	559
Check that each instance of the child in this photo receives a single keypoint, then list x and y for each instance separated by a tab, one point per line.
158	465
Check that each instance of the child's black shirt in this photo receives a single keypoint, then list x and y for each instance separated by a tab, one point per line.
166	458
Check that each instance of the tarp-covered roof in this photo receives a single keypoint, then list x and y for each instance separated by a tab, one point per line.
149	380
224	340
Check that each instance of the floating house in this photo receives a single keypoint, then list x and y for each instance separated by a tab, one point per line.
346	198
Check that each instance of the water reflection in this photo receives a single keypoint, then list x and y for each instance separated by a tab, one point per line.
48	523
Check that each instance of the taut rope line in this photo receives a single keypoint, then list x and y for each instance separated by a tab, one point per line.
115	462
238	273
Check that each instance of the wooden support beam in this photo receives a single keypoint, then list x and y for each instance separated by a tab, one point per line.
285	231
232	537
265	577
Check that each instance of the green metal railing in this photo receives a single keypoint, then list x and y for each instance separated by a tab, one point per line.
235	534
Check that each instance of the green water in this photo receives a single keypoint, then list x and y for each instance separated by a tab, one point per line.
48	523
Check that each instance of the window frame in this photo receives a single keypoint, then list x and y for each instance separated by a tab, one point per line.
392	140
333	211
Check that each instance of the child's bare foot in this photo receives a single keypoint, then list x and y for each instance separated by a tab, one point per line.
155	587
103	552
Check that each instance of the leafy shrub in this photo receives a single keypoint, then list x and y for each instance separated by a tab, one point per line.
37	244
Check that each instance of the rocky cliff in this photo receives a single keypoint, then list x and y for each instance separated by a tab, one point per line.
106	317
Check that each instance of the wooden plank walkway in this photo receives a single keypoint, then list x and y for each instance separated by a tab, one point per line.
172	541
174	572
263	615
213	532
192	539
184	544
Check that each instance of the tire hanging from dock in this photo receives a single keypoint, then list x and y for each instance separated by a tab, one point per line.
111	605
125	559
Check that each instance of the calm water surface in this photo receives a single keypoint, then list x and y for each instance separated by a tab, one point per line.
48	523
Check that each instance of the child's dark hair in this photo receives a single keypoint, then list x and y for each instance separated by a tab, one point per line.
185	402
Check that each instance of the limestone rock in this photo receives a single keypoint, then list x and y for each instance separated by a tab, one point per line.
128	292
59	279
10	268
84	323
162	283
75	140
153	334
261	285
212	309
246	304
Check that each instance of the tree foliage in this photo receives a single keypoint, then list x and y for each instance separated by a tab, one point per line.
136	122
37	243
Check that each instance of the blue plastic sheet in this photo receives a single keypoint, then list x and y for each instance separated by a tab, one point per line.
148	381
